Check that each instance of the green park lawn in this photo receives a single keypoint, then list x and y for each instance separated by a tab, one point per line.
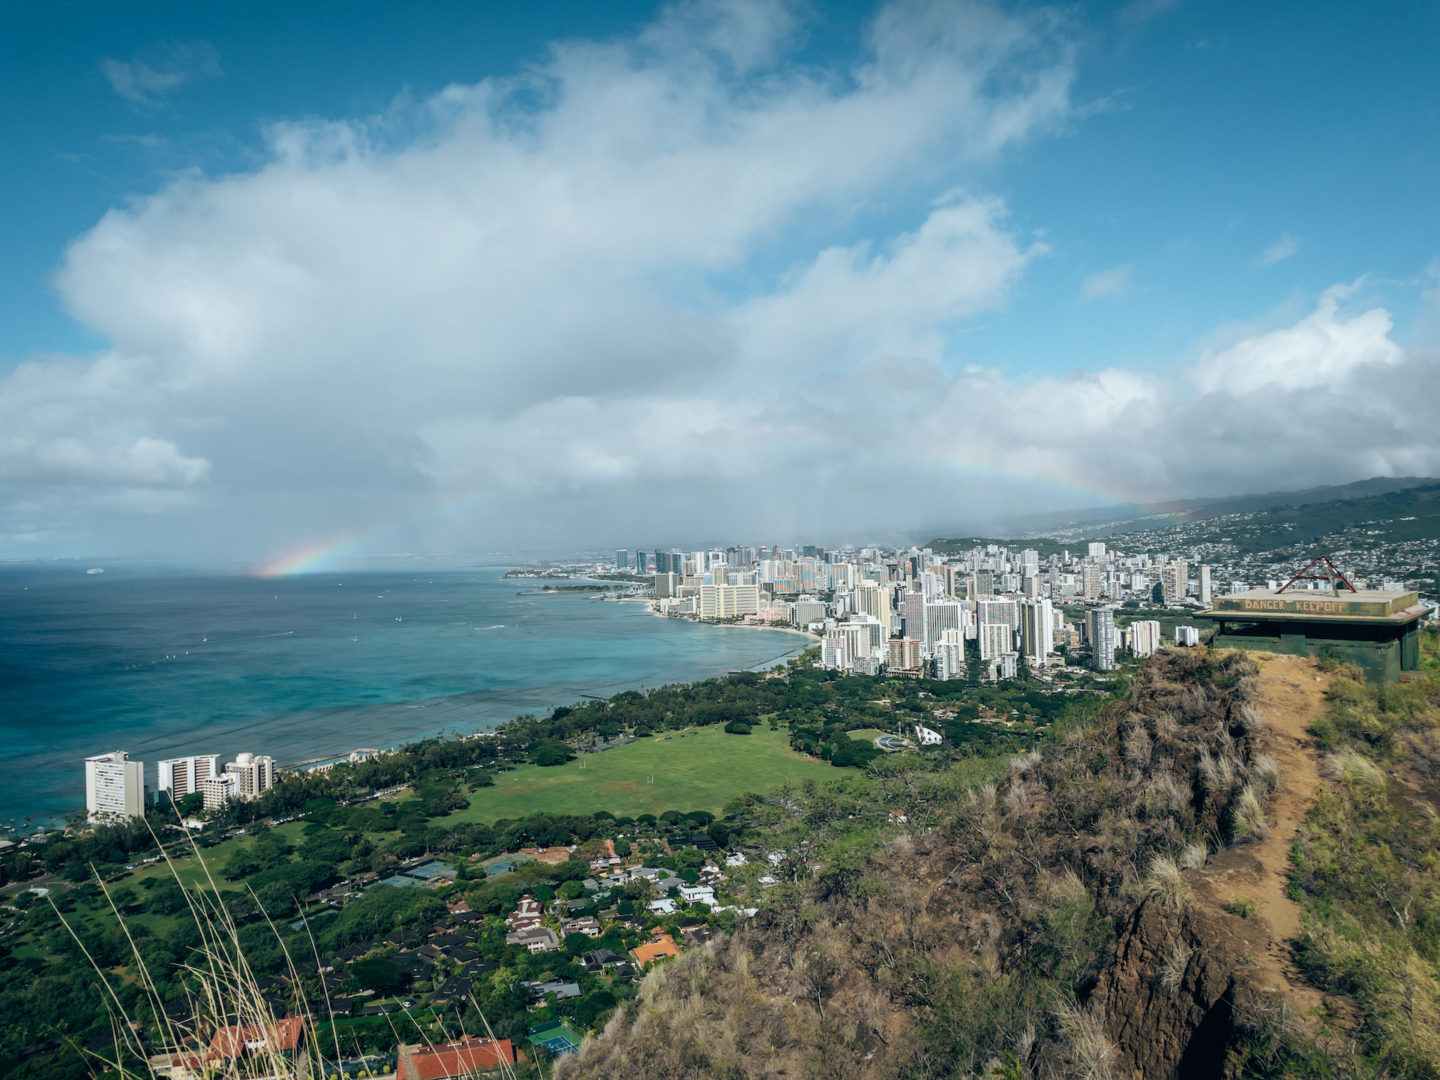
868	735
695	769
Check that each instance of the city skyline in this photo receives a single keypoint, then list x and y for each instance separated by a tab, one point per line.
547	279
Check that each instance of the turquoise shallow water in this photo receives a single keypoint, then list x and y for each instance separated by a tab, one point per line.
298	668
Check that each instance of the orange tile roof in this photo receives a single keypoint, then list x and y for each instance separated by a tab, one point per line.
459	1058
233	1040
663	945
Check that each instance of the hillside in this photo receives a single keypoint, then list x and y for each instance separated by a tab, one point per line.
1114	520
1393	518
1124	904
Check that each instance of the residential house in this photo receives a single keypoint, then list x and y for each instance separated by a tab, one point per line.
561	990
588	925
461	1058
283	1038
599	959
663	946
535	939
527	914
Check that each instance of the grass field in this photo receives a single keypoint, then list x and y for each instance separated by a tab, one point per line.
695	769
868	734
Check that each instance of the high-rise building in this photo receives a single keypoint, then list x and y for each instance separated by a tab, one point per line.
913	608
642	563
1207	588
995	638
949	656
998	610
1037	631
944	615
1100	632
183	776
1175	580
114	787
254	774
1144	637
729	601
905	654
1097	549
1092	581
872	598
808	610
219	790
622	558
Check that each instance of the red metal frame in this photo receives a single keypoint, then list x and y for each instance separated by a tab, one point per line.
1336	579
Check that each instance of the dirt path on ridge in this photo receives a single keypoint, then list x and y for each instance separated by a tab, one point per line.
1291	696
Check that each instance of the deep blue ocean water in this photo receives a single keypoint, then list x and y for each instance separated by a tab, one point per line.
304	667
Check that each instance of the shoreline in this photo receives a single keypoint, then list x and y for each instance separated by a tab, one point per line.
57	821
650	604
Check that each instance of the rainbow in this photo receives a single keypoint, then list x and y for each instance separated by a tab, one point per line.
313	557
319	555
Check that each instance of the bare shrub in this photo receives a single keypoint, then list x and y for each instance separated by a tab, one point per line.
1087	1049
1136	747
1249	720
1164	882
1264	773
1247	816
1173	966
1023	762
1194	701
1165	795
1193	857
1217	774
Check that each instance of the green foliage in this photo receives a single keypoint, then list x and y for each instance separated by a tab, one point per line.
381	911
1366	870
1242	906
378	973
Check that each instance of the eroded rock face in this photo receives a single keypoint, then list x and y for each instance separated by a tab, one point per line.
1169	998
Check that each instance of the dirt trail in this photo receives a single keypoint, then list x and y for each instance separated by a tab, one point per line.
1291	696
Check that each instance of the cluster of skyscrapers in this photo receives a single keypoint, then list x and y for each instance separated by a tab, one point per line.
919	611
115	786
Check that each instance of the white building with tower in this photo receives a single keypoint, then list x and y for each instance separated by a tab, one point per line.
247	777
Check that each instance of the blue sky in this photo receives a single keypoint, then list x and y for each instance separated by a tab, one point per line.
985	208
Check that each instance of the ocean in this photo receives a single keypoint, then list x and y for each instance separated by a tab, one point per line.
164	665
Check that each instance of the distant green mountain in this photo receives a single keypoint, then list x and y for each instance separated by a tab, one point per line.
1391	518
1114	520
1368	512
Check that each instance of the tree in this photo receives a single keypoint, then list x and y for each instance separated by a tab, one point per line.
380	974
549	752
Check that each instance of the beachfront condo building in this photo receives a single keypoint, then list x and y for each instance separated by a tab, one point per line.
114	787
244	778
178	777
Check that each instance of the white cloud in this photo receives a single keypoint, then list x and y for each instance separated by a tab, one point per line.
1279	251
631	293
160	70
1110	282
1323	351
